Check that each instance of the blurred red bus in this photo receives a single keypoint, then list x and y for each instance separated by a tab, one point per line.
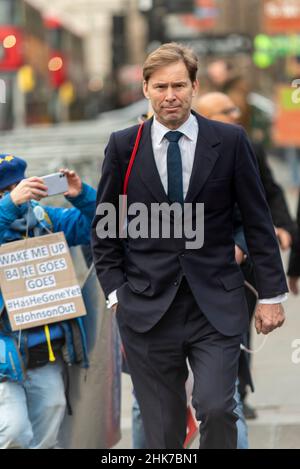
23	64
42	66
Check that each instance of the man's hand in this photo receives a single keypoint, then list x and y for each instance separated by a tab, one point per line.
284	238
240	256
74	182
268	317
27	189
293	285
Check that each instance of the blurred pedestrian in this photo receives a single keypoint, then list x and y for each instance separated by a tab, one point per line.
223	77
294	260
220	107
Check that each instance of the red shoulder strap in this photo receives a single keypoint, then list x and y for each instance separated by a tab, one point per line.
132	158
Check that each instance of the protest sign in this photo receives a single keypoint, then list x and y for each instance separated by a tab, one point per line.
38	282
286	122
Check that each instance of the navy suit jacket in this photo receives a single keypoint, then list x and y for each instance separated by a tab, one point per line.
147	272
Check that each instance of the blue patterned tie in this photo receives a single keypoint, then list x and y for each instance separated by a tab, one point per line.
174	165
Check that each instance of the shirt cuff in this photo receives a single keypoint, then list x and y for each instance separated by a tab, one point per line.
112	299
276	299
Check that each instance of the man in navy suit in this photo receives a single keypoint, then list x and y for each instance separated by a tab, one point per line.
172	301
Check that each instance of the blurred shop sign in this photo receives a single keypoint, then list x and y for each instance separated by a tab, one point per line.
219	45
286	130
178	26
281	16
204	18
267	49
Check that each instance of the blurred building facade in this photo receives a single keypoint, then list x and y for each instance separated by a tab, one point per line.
119	33
114	36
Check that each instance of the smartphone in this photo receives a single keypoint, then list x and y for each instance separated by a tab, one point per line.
56	183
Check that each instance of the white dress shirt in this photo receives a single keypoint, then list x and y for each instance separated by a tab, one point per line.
187	145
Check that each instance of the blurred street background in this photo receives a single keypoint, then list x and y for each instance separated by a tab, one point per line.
71	73
65	64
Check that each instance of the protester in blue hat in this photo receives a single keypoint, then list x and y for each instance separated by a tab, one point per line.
12	170
32	397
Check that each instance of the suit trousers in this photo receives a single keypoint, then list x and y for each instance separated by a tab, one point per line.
157	363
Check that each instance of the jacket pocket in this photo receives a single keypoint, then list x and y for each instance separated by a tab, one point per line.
136	284
218	181
136	279
232	281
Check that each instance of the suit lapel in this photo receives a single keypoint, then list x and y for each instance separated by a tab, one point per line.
205	158
204	161
147	167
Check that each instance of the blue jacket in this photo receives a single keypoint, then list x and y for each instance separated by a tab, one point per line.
75	223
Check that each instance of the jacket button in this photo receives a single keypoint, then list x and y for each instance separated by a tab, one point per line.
176	283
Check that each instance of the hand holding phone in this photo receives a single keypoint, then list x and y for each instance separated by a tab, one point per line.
74	182
56	183
28	189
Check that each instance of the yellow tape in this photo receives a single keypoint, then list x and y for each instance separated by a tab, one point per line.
51	354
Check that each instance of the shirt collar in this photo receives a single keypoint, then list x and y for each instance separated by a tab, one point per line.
189	129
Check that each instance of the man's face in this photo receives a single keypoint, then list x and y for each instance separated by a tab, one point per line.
218	72
224	110
170	91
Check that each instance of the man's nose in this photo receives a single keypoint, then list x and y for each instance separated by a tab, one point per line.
170	95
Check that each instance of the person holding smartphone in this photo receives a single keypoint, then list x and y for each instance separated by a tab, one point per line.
32	397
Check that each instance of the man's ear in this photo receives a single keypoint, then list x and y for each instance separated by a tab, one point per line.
195	88
145	89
